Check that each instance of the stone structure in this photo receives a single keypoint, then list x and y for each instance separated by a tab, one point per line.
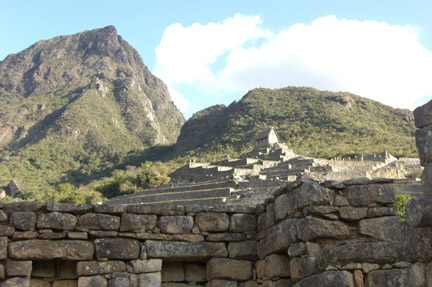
266	138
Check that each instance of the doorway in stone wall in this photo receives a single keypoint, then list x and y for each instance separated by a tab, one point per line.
54	273
179	274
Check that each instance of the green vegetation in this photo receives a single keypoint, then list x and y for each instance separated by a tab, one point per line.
401	203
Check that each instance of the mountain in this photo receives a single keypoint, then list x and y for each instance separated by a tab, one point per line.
73	107
313	123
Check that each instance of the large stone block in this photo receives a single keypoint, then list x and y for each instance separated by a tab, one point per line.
242	223
119	282
185	251
150	280
243	250
279	237
15	268
23	220
3	247
382	228
230	269
277	266
372	252
176	224
424	144
69	207
22	206
312	228
16	282
362	195
419	212
93	281
410	277
57	220
328	279
86	268
212	221
98	221
137	222
49	249
173	272
423	115
117	248
353	213
302	267
309	194
146	266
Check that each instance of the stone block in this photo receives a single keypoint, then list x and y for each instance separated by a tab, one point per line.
48	234
423	115
86	268
195	272
329	279
117	248
93	281
363	195
419	212
277	266
137	222
110	208
66	269
56	221
44	269
270	215
97	221
226	237
176	224
156	209
22	206
173	272
382	228
6	230
302	267
279	237
212	221
242	223
3	216
358	278
119	282
308	194
65	283
146	266
16	282
424	144
426	179
69	207
262	222
23	220
312	228
251	284
2	271
222	283
230	269
150	279
394	277
3	247
77	235
297	249
16	268
49	249
185	251
381	211
243	250
39	283
353	213
24	235
312	249
372	252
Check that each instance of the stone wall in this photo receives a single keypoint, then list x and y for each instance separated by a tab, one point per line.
309	234
423	121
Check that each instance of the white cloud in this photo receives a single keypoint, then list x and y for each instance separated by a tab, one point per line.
372	59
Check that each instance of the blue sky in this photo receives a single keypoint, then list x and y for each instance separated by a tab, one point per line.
213	52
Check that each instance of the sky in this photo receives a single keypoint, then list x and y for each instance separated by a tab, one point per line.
214	52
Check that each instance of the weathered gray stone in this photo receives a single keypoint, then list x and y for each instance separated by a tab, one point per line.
173	272
362	195
277	266
313	249
176	224
381	211
242	223
226	237
117	248
340	201
230	269
279	237
119	282
23	220
373	252
22	206
3	247
137	222
98	221
16	282
93	281
309	194
419	212
382	228
270	215
423	115
297	249
110	208
16	268
48	249
165	237
212	222
57	220
150	279
86	268
156	209
185	251
426	179
23	235
353	213
328	279
102	233
6	230
146	266
195	272
424	144
319	210
243	250
48	234
311	228
222	283
254	284
396	277
262	222
302	267
3	216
